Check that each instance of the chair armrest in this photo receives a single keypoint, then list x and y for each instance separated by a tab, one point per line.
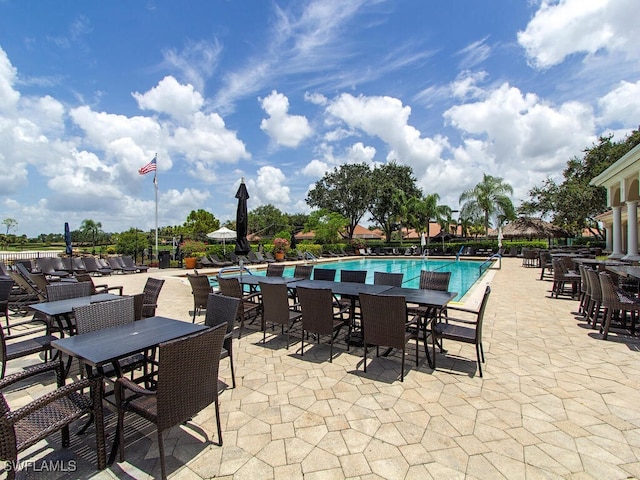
461	309
459	320
51	397
415	320
29	372
251	297
106	288
134	387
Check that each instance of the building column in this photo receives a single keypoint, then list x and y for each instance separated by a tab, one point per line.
617	232
632	231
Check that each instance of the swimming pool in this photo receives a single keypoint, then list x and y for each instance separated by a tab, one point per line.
463	273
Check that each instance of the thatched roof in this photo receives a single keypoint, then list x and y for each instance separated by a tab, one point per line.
533	228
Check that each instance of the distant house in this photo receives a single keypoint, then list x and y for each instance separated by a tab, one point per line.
305	235
366	234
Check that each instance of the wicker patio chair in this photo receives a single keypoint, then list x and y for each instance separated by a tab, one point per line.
546	264
324	274
223	310
54	411
25	344
319	315
353	276
585	294
101	315
6	286
562	277
151	292
275	270
97	289
430	280
250	307
616	301
386	323
303	271
594	307
386	278
276	308
66	290
187	383
200	288
462	329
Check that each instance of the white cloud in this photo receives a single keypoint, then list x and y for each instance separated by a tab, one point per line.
315	98
465	85
196	62
387	119
179	101
269	188
284	129
475	53
621	105
565	27
315	168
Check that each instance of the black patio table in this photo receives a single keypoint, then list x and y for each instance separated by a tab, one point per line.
625	270
109	345
62	309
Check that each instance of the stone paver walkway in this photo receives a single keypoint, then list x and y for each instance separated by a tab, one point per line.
555	402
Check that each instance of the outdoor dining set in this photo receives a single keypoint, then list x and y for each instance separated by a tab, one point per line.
166	370
607	289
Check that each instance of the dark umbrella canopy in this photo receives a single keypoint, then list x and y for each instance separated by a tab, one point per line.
67	239
293	243
242	221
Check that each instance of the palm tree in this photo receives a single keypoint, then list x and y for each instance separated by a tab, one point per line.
91	230
488	199
426	209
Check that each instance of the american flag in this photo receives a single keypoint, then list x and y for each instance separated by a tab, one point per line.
149	167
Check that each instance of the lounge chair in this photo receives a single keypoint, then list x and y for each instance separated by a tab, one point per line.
92	266
253	258
218	262
118	264
129	263
262	258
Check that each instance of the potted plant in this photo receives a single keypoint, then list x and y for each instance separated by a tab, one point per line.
280	246
190	249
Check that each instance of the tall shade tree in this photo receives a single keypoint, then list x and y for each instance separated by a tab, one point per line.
425	209
386	181
326	225
91	230
199	223
346	190
574	203
266	220
489	199
10	224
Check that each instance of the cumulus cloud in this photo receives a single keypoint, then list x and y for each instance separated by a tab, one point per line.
562	28
622	104
172	98
284	129
269	188
388	119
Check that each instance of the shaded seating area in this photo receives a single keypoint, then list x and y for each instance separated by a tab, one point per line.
36	420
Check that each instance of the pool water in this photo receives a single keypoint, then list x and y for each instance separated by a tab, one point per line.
463	273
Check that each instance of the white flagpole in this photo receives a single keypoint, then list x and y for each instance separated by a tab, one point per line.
155	183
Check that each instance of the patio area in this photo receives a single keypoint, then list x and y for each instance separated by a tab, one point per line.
555	402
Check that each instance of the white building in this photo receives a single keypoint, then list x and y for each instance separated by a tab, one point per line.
622	181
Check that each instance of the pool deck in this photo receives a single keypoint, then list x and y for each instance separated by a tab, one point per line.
555	402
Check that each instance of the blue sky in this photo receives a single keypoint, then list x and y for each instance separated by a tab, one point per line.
279	92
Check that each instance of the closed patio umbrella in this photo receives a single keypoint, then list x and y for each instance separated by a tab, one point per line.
67	239
223	234
242	221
